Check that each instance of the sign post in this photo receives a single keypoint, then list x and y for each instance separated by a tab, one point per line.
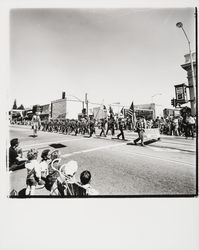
181	93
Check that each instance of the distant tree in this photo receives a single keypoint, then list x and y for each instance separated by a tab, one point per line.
14	105
21	107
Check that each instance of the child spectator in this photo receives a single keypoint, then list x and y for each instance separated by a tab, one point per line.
66	184
85	178
53	169
33	171
45	157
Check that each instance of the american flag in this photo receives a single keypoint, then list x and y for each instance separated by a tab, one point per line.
111	110
131	110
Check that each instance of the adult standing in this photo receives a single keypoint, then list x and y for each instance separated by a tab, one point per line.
140	128
121	127
91	127
102	125
190	125
36	122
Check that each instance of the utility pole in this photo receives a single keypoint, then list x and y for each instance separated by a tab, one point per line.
86	102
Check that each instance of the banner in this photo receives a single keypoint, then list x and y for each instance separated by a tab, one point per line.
152	134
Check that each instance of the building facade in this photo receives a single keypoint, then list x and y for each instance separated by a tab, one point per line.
191	76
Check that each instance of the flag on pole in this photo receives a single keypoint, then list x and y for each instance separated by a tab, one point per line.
131	113
122	112
131	110
111	110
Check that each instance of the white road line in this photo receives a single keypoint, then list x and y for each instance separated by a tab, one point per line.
130	154
94	149
51	142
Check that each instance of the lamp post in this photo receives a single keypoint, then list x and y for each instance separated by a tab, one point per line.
180	25
154	96
78	100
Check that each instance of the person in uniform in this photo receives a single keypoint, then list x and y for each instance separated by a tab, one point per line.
111	125
121	126
140	128
91	127
36	123
102	125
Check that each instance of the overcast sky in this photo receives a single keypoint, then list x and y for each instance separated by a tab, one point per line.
115	55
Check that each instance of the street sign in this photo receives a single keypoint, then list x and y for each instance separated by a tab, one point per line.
181	93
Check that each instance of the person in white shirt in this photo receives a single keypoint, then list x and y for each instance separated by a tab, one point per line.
33	171
190	125
36	123
45	160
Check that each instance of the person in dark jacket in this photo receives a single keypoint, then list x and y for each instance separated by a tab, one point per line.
102	125
121	126
16	160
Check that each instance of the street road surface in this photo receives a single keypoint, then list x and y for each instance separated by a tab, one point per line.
165	167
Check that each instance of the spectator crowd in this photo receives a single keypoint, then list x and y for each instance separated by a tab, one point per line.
59	179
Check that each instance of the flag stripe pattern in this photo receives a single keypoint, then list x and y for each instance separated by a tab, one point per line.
131	110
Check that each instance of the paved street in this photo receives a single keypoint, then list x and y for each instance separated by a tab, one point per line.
165	167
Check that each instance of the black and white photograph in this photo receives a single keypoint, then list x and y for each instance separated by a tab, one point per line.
102	102
99	124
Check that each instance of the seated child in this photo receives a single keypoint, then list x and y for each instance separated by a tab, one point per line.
33	171
85	178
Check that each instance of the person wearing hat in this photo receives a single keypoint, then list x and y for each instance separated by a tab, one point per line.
102	125
121	126
36	123
66	184
16	160
140	128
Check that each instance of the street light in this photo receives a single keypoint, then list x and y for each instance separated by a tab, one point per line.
180	25
78	100
154	96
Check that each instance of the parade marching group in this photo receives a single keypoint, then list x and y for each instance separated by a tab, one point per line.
60	179
177	126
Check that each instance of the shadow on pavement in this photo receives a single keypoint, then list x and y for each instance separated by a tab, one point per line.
145	143
57	145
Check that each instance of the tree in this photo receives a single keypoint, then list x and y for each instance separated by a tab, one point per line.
21	107
14	105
